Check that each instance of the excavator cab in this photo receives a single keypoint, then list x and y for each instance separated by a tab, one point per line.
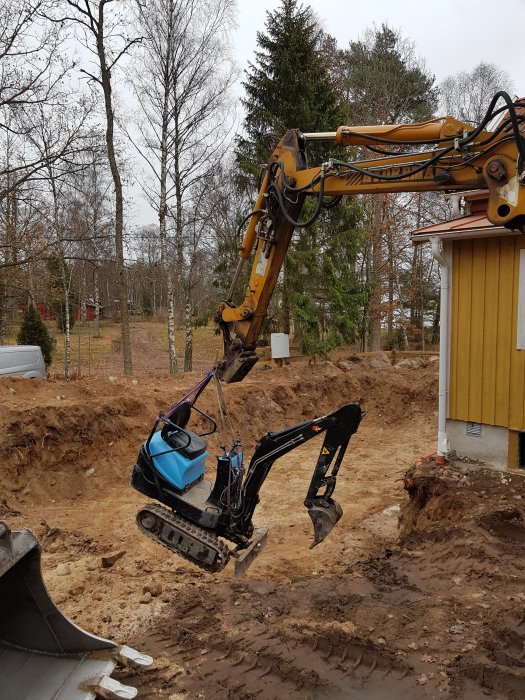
195	512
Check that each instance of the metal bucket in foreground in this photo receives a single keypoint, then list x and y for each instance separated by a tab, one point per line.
43	655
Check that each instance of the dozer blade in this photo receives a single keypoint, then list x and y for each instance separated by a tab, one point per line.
324	514
43	655
246	557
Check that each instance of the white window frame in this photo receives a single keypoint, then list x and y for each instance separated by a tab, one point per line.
521	303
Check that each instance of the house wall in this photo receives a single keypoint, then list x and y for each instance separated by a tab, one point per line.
487	371
490	447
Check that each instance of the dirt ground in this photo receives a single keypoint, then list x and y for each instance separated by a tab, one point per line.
415	594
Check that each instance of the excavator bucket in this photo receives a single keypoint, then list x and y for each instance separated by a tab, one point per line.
324	513
43	655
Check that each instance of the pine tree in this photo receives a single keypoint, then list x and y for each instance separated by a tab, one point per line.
384	82
33	331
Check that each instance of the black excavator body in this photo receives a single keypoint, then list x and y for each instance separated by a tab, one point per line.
195	513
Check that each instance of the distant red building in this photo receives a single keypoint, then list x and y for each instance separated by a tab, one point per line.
45	310
48	314
90	312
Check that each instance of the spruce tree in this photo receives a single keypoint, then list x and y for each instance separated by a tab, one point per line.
33	331
290	86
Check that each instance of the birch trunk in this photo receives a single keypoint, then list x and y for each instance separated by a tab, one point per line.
79	363
377	261
63	274
83	305
3	311
188	342
163	208
182	282
96	321
67	323
105	80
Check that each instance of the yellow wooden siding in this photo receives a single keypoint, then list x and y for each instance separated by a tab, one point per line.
487	372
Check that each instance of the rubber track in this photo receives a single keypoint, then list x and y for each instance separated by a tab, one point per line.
190	529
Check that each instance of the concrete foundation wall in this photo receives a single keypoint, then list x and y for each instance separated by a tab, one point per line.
491	446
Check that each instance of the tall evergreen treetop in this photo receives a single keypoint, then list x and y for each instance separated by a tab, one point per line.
288	86
384	81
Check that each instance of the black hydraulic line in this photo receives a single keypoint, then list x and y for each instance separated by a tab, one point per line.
520	143
423	165
394	142
332	202
490	113
503	127
248	217
299	224
492	136
288	187
515	119
392	178
439	155
482	124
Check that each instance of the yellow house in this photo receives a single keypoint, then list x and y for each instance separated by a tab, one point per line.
482	352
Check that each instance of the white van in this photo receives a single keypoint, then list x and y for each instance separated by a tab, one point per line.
22	361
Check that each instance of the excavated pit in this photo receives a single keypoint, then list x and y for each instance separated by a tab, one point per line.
435	609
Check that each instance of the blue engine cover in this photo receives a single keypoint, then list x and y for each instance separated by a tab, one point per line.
173	466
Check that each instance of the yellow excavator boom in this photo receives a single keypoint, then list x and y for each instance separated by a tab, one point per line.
441	154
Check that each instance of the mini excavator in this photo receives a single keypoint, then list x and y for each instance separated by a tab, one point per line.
195	513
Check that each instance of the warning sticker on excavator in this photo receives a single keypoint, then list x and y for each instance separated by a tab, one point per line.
324	451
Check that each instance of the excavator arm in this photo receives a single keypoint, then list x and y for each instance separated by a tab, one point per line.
441	154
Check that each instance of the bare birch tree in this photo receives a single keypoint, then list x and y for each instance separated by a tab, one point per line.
183	93
48	125
32	69
106	37
466	95
90	215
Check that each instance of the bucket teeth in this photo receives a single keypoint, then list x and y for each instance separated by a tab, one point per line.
324	514
111	689
131	657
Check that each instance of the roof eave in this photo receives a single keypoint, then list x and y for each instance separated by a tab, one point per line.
485	232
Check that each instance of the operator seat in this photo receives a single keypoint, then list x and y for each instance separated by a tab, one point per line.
174	432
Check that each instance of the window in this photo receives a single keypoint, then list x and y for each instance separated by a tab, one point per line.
521	451
521	303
